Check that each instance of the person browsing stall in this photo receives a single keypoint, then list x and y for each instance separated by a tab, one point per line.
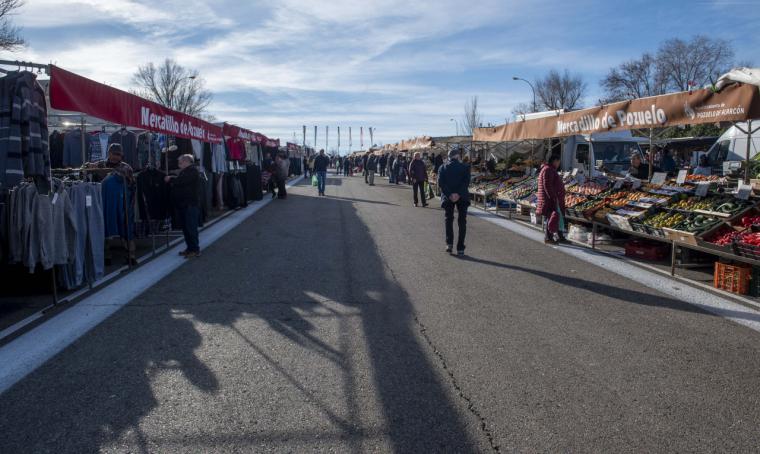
185	188
551	200
418	175
639	169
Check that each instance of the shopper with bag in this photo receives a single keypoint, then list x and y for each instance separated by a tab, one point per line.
418	175
551	200
321	163
371	168
454	181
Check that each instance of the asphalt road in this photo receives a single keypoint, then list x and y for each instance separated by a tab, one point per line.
338	324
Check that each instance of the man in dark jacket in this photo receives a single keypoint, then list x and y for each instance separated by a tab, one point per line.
437	163
454	181
418	175
371	168
383	164
185	188
365	157
391	163
321	163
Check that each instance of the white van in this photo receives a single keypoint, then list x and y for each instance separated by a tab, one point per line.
609	150
732	146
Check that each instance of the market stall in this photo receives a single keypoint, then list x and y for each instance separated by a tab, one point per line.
705	214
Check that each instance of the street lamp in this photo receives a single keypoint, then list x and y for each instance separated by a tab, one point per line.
457	125
531	89
532	143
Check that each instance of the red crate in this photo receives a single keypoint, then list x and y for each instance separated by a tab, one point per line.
647	250
732	278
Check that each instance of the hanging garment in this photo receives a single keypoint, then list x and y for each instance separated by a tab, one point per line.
24	149
72	148
56	150
119	220
143	149
152	195
235	149
218	158
197	147
88	263
253	182
98	146
128	141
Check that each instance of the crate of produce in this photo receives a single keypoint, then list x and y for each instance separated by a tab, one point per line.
725	207
687	230
722	238
732	278
647	250
747	244
661	219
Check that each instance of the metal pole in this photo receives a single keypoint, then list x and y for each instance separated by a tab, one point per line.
749	147
84	151
651	152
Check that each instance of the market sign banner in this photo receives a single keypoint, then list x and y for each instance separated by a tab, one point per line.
738	102
238	133
71	92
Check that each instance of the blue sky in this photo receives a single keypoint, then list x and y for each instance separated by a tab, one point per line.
405	68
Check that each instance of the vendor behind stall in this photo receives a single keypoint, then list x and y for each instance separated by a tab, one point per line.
639	169
704	166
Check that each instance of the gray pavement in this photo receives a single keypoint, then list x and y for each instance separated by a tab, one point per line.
337	324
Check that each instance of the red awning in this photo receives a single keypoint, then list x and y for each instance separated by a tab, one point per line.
238	133
71	92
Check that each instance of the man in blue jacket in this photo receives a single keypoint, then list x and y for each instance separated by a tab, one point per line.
454	181
321	163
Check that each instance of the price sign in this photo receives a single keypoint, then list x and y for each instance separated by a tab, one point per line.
636	183
88	201
682	176
575	172
618	184
659	178
702	189
743	191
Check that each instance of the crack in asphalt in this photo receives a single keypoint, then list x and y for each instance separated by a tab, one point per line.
471	407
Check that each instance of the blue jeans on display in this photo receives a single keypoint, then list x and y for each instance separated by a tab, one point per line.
190	217
321	176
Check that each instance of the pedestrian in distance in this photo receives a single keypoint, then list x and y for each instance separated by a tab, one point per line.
321	163
391	166
185	190
551	200
283	171
371	167
454	181
383	163
418	175
305	167
365	158
346	166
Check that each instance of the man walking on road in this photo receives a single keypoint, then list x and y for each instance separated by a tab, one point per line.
365	157
371	168
321	163
418	174
453	180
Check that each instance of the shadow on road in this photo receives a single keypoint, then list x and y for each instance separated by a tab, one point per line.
622	294
114	387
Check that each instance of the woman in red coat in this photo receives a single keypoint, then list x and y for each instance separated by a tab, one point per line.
551	199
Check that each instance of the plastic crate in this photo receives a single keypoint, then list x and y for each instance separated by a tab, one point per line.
747	250
732	278
647	250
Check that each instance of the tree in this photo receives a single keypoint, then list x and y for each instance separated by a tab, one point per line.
635	79
10	35
560	91
472	118
696	62
173	86
521	109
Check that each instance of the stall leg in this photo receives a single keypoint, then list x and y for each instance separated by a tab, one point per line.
674	251
55	286
593	235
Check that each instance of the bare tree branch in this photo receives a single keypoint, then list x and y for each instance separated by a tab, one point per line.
10	35
696	62
635	79
560	91
173	86
472	117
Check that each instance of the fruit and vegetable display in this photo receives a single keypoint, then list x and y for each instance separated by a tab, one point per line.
725	236
749	220
573	199
697	223
728	205
521	191
692	203
587	188
700	178
624	198
750	238
664	219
